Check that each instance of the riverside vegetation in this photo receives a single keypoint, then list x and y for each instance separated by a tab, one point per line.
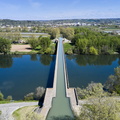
83	41
102	101
38	94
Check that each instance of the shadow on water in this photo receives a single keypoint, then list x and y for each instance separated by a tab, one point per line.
51	73
6	61
45	59
49	60
33	57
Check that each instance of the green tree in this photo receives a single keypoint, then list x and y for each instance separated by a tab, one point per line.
93	51
54	32
33	42
1	96
5	45
44	43
9	98
67	33
113	82
81	45
29	96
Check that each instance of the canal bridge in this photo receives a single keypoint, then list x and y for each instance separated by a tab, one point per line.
60	101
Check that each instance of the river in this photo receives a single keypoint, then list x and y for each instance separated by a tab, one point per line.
21	74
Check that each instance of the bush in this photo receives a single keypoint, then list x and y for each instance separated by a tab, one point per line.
100	109
113	82
5	45
44	42
68	48
0	112
37	95
48	51
33	43
9	98
39	92
1	96
92	90
29	96
93	51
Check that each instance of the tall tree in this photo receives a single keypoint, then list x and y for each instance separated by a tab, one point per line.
44	42
5	45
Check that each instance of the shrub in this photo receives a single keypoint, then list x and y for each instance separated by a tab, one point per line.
39	92
48	51
5	45
100	109
93	51
9	98
0	112
92	90
113	82
33	43
29	96
1	96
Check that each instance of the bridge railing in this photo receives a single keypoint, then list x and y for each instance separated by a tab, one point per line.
67	78
76	96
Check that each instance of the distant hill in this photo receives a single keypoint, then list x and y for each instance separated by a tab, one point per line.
44	22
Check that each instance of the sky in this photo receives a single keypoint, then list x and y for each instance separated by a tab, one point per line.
59	9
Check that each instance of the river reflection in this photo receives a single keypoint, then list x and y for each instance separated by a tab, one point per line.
21	74
6	61
82	69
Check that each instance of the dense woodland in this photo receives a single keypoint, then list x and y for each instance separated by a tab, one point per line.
83	40
87	41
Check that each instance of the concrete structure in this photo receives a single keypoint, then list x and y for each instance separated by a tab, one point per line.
54	97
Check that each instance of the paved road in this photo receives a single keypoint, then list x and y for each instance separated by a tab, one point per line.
8	109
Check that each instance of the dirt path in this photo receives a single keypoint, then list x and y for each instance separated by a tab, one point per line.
21	48
8	109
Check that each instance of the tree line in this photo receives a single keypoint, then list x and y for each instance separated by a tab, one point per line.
83	41
87	41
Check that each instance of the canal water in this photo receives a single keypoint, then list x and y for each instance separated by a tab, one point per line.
61	108
21	74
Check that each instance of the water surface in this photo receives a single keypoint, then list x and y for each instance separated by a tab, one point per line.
21	74
82	69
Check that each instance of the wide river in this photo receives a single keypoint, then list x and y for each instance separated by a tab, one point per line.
21	74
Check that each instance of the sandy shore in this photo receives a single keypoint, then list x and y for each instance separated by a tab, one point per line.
21	48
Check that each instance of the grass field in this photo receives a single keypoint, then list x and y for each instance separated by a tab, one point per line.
27	113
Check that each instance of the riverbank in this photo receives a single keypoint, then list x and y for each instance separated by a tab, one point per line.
21	48
27	49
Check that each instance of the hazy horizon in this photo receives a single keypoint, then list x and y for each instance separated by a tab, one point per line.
55	10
